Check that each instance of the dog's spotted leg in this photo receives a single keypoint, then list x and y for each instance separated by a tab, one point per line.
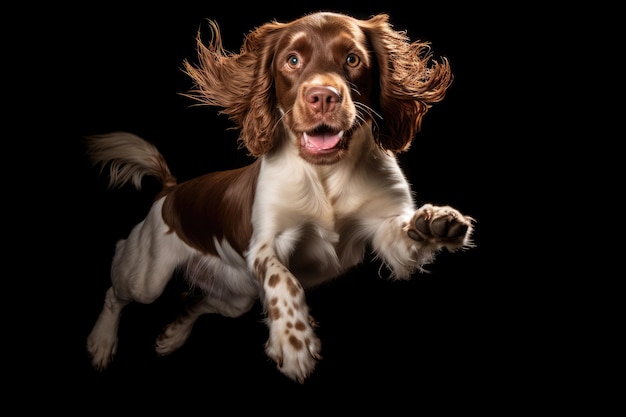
292	342
434	227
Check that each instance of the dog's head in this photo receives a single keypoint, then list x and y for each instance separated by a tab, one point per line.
319	78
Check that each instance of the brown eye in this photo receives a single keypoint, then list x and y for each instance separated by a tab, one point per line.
353	60
293	61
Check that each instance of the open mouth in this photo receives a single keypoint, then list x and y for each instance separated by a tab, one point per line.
322	139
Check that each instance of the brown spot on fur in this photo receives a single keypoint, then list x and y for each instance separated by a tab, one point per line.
274	301
261	268
289	324
274	313
296	306
300	326
273	280
290	311
292	287
296	343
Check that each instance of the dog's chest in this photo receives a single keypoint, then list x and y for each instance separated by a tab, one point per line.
287	198
302	212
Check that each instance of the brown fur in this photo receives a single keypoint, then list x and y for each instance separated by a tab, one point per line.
220	201
242	83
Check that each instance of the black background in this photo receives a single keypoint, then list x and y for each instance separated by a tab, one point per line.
448	338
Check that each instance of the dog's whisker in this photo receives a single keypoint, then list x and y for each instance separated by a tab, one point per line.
354	88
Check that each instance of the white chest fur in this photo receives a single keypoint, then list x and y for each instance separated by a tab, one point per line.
320	218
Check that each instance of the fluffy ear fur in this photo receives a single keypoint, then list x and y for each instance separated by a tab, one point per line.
241	84
409	82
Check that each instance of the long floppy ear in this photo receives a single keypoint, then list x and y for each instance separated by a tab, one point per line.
410	81
241	84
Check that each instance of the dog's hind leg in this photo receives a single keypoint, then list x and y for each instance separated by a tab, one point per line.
102	341
142	266
176	333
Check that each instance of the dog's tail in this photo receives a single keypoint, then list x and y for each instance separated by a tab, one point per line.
129	157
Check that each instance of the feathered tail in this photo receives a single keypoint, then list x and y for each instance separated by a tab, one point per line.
129	157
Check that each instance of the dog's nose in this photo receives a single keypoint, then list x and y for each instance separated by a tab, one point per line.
322	99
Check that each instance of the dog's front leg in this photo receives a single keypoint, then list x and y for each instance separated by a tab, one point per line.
292	342
423	234
433	228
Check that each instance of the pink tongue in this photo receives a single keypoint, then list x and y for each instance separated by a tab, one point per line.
321	141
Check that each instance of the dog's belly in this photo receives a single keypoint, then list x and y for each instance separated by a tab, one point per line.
223	276
313	272
315	255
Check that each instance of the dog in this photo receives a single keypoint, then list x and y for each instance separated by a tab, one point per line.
324	104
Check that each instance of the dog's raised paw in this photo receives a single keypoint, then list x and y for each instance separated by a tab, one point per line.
440	225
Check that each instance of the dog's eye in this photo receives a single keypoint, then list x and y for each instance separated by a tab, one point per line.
293	61
353	60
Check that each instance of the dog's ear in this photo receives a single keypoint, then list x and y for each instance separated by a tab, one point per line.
262	117
241	84
410	81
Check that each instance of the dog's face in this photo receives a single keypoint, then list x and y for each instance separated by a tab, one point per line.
320	78
323	78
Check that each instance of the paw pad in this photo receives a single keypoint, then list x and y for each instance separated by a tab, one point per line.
438	223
